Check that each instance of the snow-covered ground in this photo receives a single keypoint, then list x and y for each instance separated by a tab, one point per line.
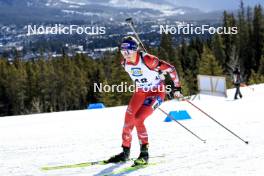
30	142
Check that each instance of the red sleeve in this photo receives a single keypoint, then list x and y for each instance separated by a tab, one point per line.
154	63
151	61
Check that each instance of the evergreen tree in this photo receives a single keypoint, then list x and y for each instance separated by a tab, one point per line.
256	78
258	35
4	99
182	54
261	66
229	41
243	40
218	50
15	88
209	65
32	102
166	50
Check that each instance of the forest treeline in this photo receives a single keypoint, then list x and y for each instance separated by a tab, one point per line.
67	83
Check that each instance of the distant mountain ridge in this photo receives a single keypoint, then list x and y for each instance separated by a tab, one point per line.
19	10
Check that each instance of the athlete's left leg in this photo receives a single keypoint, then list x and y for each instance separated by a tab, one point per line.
150	104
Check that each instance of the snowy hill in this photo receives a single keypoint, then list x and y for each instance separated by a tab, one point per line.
33	141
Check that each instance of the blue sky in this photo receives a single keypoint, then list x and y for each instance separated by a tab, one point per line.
210	5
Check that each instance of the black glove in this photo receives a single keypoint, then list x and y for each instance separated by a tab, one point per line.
175	92
179	89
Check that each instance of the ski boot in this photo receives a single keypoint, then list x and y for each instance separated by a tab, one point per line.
121	157
143	157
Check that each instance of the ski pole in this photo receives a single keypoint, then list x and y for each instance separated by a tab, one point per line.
131	24
204	141
246	142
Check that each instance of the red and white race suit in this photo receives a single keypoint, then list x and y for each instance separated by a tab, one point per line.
150	93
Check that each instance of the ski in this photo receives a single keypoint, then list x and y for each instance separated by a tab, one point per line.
86	164
78	165
130	169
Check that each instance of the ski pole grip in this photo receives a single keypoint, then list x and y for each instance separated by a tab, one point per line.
129	20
